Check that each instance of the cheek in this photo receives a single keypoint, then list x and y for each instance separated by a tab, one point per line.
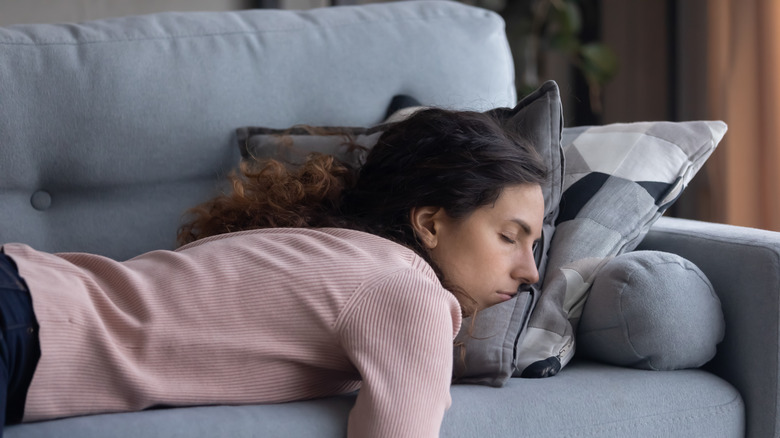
455	259
470	261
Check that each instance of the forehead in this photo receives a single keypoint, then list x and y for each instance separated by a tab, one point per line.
523	202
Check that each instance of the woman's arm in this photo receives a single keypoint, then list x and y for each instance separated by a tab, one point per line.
399	336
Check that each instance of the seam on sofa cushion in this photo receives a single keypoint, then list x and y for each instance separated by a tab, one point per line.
659	419
293	28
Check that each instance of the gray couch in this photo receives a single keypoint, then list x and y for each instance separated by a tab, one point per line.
109	130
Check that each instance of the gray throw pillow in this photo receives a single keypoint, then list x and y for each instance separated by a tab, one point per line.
651	310
492	341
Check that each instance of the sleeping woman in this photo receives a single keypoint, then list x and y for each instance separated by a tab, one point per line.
296	284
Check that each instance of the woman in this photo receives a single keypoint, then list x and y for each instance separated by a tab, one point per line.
299	284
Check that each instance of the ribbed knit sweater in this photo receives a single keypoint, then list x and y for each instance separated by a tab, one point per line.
260	316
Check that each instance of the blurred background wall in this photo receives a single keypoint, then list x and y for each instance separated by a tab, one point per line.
615	61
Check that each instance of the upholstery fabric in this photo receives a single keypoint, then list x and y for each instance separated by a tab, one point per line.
743	264
652	310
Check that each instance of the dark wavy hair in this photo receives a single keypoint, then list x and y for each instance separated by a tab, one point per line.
456	160
459	161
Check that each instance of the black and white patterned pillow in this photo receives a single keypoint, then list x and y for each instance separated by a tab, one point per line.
619	179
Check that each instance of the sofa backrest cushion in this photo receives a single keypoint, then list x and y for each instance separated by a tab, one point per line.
111	129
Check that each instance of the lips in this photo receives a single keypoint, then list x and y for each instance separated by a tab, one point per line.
506	296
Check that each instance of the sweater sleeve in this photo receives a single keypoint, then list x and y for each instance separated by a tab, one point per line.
398	334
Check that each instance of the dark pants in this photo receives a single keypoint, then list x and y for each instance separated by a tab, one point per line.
19	346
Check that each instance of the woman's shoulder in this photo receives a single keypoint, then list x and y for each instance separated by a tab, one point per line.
392	256
410	294
347	244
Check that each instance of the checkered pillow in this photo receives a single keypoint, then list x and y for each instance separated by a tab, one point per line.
619	179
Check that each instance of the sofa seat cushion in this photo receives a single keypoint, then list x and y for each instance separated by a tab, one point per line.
586	399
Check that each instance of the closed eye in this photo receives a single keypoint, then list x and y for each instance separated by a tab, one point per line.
508	239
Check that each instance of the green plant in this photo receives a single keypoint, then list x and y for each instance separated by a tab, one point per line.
536	28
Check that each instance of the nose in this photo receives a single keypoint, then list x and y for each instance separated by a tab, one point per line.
525	270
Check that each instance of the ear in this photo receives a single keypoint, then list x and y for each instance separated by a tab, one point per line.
424	220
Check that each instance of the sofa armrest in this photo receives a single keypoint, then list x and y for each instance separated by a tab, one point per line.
743	265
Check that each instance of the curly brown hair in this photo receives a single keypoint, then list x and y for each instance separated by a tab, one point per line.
269	193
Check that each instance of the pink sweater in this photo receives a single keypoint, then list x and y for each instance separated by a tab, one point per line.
261	316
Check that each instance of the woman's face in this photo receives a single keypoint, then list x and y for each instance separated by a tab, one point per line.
490	253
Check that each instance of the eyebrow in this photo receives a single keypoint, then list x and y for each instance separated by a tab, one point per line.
524	226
